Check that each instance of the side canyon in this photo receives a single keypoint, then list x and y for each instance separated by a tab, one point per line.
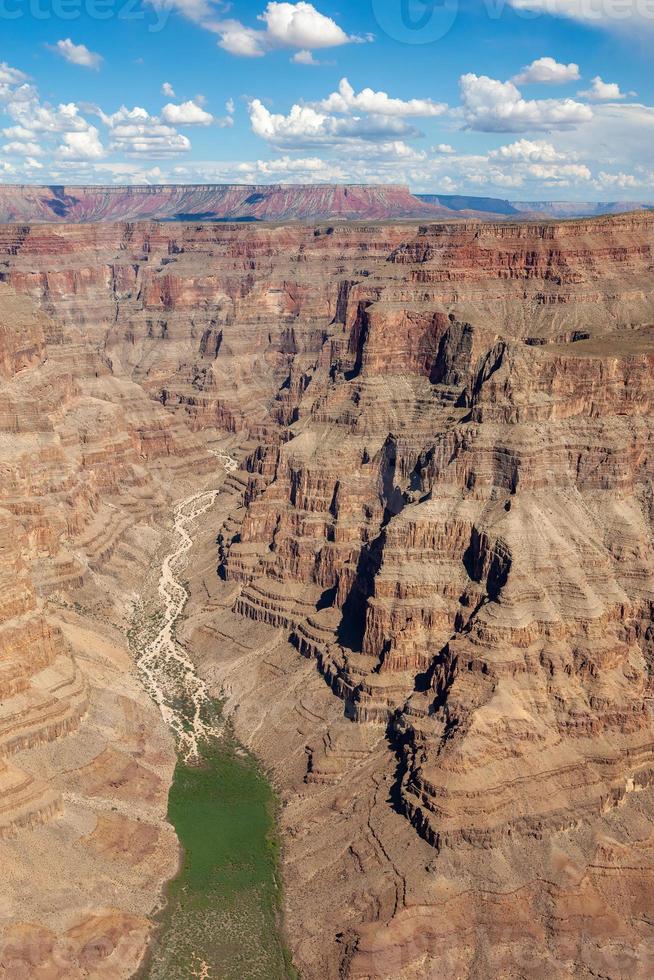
424	592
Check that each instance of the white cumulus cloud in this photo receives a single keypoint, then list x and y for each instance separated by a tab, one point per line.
563	174
286	25
346	100
528	151
620	180
11	76
491	106
300	25
186	114
307	126
600	91
305	58
19	148
547	71
81	146
135	132
77	54
245	42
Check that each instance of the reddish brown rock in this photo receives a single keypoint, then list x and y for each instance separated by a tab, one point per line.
445	505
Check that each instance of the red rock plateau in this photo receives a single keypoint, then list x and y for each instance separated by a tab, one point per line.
433	605
214	202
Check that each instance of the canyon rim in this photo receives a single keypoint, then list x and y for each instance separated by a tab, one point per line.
413	460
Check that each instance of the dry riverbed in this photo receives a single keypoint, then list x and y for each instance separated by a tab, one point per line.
221	918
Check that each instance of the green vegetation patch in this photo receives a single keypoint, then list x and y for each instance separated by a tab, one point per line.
223	911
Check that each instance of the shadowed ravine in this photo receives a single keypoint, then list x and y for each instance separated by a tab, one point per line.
221	915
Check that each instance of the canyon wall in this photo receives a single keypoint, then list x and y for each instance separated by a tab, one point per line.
432	609
88	466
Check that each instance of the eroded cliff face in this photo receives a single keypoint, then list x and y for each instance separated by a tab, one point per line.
89	464
433	611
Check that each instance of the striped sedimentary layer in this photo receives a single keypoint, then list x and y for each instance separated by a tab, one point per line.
212	202
82	451
462	487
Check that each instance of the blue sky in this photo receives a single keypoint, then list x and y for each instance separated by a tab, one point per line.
525	99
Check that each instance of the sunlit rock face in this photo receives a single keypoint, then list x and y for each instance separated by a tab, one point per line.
214	202
444	503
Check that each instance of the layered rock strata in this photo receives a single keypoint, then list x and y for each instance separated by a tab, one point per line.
214	202
88	463
463	496
432	617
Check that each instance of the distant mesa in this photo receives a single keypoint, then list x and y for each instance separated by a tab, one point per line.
495	207
274	202
213	203
458	202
